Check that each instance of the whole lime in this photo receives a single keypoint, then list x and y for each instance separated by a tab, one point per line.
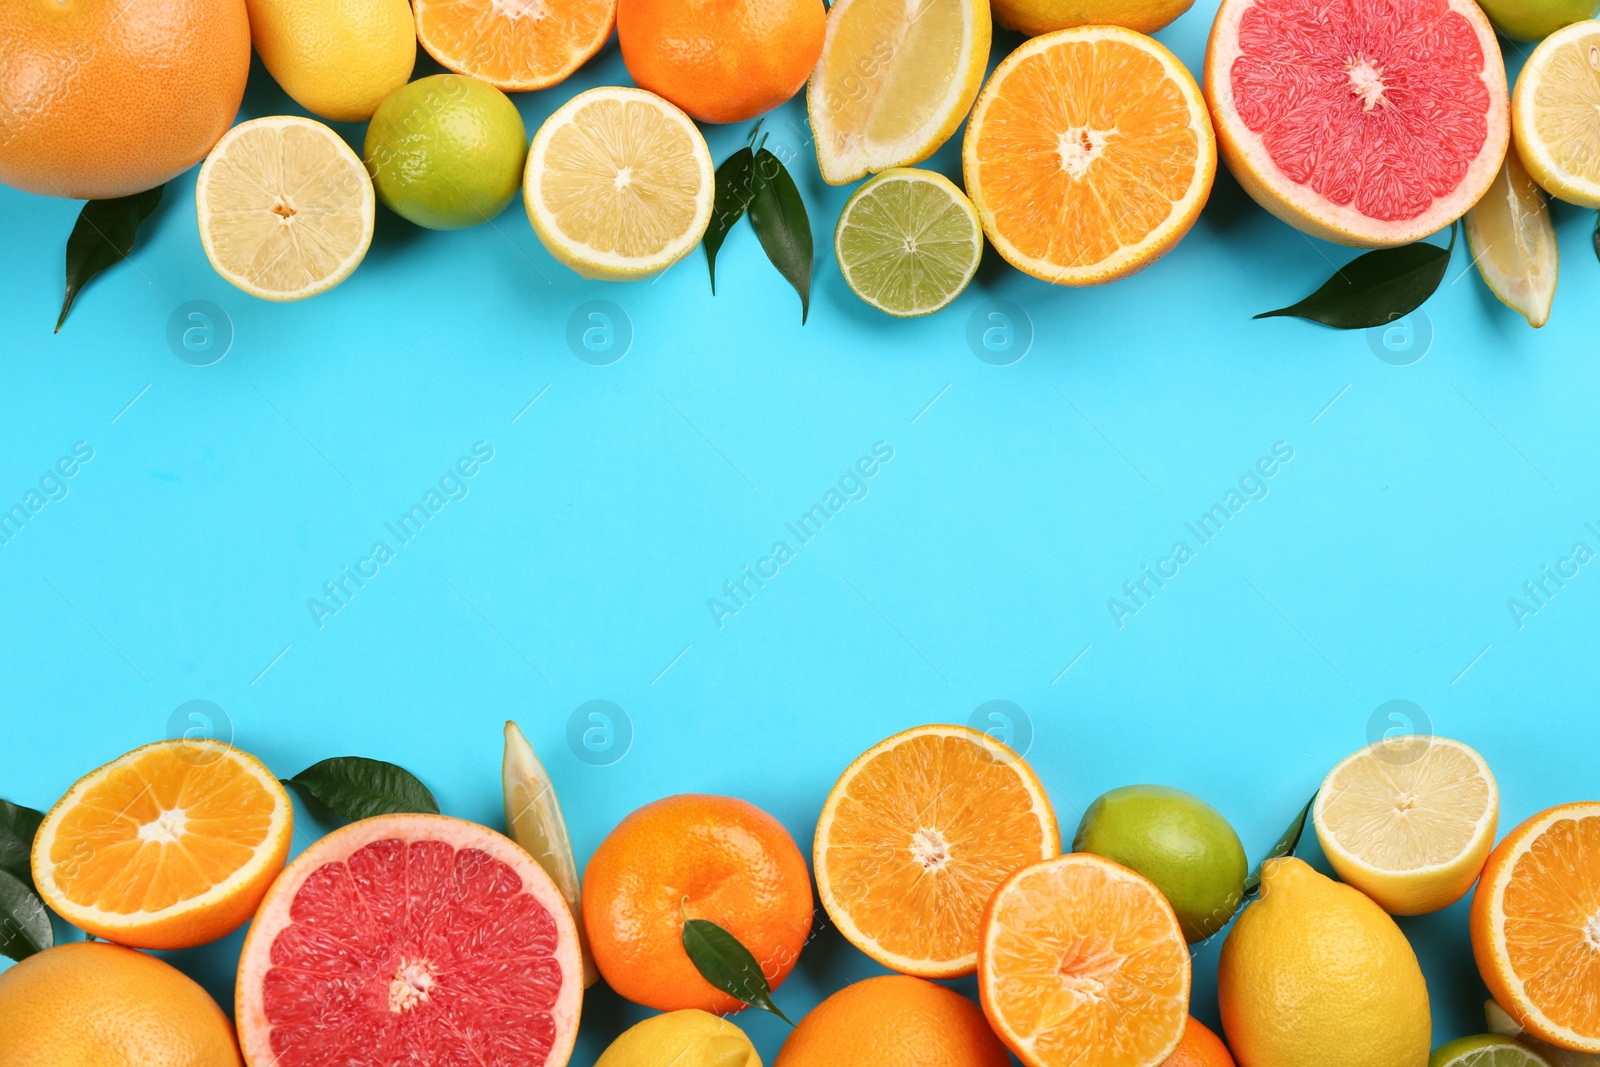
1179	842
446	152
1534	20
687	1038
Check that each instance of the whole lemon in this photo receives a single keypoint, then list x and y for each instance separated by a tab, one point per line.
1316	973
91	1004
1034	17
687	1038
337	58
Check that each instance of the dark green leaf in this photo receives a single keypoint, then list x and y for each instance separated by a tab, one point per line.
735	188
778	216
102	238
1285	847
17	827
1596	237
1376	288
24	924
358	788
728	965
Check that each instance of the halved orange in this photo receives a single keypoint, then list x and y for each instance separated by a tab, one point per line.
1088	155
170	846
915	836
1536	925
514	45
1082	963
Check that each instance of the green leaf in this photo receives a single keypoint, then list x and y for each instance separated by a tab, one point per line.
103	237
735	189
728	965
24	923
17	827
1285	847
1596	237
778	216
357	788
1376	288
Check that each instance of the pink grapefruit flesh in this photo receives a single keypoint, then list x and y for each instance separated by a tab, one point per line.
1366	122
411	939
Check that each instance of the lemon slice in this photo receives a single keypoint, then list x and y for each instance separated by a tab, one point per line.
619	184
908	242
895	80
535	821
1409	821
1514	243
1553	113
286	208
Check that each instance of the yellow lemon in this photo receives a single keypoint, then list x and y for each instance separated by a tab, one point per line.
337	58
1316	973
688	1038
1034	17
1552	114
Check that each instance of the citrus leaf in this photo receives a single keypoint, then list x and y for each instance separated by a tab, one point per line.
102	237
728	965
1285	847
24	924
778	216
735	189
1596	237
17	827
357	788
1375	288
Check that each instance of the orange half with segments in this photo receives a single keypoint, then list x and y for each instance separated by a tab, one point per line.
515	45
916	835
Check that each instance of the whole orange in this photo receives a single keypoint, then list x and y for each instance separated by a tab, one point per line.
1200	1048
721	60
103	98
894	1021
704	857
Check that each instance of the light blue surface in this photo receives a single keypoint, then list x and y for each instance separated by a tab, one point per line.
620	498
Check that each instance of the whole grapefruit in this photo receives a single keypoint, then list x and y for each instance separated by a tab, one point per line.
104	98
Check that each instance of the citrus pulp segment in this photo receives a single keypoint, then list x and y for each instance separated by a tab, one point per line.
895	80
515	45
916	835
619	184
1553	112
170	846
1081	963
1513	242
286	208
1370	123
1088	155
908	242
410	939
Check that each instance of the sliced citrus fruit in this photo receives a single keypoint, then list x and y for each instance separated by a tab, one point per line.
1552	113
170	846
534	818
1082	963
1536	926
514	45
894	82
1487	1050
1501	1022
1514	242
619	184
1409	821
1369	123
286	208
915	836
416	939
1089	155
908	242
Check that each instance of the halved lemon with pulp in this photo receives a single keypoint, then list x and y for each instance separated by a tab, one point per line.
894	81
170	846
916	835
1089	155
1553	113
619	184
286	208
1409	821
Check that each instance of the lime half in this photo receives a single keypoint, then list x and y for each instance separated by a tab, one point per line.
908	242
1488	1050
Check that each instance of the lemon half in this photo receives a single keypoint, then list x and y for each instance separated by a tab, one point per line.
1553	113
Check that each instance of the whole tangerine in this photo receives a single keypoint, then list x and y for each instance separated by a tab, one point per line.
1200	1047
894	1021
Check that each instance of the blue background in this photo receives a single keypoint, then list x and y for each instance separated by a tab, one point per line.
1425	488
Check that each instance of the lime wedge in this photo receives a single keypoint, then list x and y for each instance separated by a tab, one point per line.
908	242
1501	1022
534	819
1488	1050
1514	243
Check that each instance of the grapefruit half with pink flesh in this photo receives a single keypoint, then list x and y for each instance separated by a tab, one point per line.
411	939
1365	122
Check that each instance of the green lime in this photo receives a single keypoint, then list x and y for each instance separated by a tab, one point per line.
908	242
1179	842
1534	20
1488	1050
446	152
